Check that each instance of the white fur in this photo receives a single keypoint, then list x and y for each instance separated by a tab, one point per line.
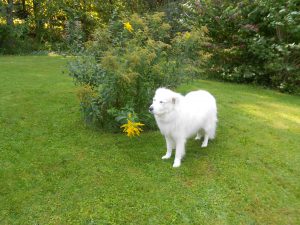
180	117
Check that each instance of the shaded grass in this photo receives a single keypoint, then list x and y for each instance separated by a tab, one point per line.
54	170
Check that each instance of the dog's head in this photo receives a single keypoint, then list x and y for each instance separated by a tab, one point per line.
164	101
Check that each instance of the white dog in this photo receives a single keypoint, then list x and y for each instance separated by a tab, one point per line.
180	117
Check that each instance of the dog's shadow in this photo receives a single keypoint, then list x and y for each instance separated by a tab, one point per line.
195	151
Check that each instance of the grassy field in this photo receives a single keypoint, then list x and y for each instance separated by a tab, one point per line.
54	170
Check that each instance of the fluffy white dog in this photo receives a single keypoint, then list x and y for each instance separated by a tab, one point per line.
180	117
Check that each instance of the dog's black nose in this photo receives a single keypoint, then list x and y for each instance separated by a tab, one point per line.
150	109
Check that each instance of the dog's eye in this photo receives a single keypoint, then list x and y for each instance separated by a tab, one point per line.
161	102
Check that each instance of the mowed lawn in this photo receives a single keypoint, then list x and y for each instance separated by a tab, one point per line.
55	170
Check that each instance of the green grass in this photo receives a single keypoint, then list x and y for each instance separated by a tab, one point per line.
54	170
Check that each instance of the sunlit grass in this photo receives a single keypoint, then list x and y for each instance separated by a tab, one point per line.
54	170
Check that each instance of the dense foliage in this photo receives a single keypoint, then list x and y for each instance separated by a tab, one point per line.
126	49
253	41
35	25
127	60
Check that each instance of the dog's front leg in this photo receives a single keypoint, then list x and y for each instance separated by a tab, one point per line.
170	146
180	151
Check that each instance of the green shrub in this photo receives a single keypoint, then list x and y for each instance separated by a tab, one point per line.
74	36
15	40
19	39
252	41
128	59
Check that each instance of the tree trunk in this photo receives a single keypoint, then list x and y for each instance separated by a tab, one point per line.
9	13
37	19
24	7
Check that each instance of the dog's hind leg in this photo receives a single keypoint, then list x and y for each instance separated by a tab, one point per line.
205	142
210	131
198	137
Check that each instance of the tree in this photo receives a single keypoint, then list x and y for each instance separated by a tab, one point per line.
9	13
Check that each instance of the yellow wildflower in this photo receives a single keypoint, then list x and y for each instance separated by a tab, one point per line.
187	35
132	128
128	26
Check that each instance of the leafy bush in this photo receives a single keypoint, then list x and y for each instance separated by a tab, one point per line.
15	40
128	59
19	39
252	41
74	36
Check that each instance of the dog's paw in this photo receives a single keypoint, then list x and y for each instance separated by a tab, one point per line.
204	145
177	163
167	156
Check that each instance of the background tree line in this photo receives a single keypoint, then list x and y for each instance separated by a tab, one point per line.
27	25
251	41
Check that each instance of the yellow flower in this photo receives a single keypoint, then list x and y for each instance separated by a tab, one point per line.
187	35
128	26
132	128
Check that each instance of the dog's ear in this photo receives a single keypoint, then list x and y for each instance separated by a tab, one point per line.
174	100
